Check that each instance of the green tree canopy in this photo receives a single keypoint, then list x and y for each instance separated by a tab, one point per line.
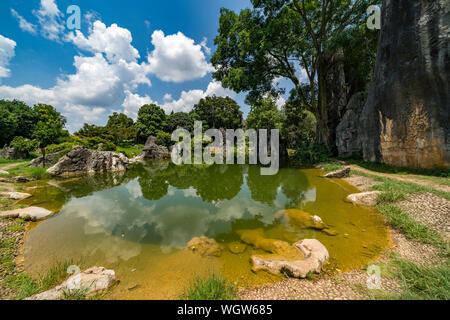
180	120
281	39
119	120
151	119
16	119
218	112
121	128
49	126
264	114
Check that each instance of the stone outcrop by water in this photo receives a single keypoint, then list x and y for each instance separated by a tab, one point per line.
50	160
83	160
339	173
368	199
406	120
300	218
312	256
92	281
30	213
154	151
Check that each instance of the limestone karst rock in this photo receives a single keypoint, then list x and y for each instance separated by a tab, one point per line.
405	121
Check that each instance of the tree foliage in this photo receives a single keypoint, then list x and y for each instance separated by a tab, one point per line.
218	112
180	120
16	119
151	119
265	115
281	39
49	126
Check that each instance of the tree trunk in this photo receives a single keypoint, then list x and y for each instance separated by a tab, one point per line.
43	157
323	133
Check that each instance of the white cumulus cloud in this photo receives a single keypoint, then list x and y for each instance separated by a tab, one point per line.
7	52
176	58
23	23
50	20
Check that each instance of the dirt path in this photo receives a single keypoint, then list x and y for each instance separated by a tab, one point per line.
404	178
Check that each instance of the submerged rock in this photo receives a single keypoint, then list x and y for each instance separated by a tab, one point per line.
205	247
17	195
94	280
237	247
30	213
300	218
312	256
83	160
343	173
364	198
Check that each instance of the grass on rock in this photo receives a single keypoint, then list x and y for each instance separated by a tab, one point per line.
215	287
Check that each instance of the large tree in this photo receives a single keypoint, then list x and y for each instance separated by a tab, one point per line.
265	115
49	126
285	39
16	119
121	128
218	112
151	119
180	120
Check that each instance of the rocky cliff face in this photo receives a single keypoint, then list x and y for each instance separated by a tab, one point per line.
405	121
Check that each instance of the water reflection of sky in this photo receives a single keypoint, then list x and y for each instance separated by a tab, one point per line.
176	215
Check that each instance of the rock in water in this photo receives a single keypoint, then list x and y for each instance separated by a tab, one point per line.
237	247
154	151
406	120
339	173
205	247
94	280
30	213
50	160
364	198
300	218
83	160
314	256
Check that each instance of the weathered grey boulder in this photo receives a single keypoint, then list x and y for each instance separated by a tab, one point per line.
406	120
339	173
92	281
30	213
313	255
12	154
83	160
3	172
154	151
348	140
50	160
16	195
364	198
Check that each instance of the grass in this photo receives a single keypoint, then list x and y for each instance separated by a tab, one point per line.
421	283
8	204
130	151
332	166
27	286
24	169
215	287
7	250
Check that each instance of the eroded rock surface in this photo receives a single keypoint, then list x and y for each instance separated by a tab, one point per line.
94	280
364	198
82	160
406	120
50	160
343	173
154	151
313	255
30	213
205	247
16	195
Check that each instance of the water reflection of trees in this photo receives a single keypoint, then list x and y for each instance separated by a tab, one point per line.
212	183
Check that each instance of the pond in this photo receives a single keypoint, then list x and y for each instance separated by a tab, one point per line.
139	222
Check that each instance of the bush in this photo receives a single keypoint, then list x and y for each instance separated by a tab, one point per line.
23	145
64	147
104	145
215	287
164	139
312	154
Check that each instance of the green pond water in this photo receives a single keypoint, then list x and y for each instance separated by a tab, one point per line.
139	222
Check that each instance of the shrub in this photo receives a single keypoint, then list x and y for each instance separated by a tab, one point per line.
164	139
312	154
23	145
215	287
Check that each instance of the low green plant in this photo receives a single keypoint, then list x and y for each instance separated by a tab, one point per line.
422	282
215	287
164	139
23	145
312	154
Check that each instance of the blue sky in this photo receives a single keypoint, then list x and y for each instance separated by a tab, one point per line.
126	54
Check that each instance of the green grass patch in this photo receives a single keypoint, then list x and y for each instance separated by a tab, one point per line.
24	169
408	226
422	283
27	286
130	151
215	287
332	166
